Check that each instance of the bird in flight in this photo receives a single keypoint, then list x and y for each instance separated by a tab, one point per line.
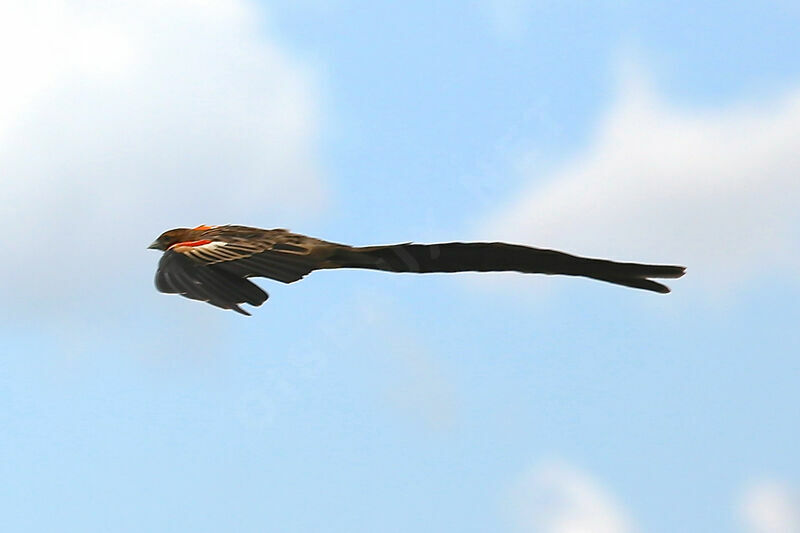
213	263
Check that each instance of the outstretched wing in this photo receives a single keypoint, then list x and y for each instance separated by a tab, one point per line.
246	252
179	274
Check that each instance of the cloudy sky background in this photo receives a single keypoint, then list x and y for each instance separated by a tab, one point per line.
359	401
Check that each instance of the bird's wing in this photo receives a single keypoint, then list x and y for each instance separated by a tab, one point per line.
246	252
179	274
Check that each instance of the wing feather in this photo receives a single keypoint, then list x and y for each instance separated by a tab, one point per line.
250	252
178	273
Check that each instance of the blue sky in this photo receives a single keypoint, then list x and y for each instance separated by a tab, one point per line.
363	401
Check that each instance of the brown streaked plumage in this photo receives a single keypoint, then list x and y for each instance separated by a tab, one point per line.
213	263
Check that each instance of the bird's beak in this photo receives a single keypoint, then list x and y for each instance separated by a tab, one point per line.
154	246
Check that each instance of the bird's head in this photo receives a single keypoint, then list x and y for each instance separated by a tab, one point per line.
168	238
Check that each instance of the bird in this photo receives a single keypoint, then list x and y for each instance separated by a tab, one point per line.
214	263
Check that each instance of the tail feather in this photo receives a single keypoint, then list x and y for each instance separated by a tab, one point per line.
500	257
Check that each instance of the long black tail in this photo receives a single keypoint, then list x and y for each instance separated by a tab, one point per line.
499	257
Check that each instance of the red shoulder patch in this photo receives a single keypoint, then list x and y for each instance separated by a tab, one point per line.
190	243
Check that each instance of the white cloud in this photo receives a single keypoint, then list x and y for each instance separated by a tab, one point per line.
555	497
770	507
508	18
121	119
716	190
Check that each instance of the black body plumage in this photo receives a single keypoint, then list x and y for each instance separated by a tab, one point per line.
212	264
